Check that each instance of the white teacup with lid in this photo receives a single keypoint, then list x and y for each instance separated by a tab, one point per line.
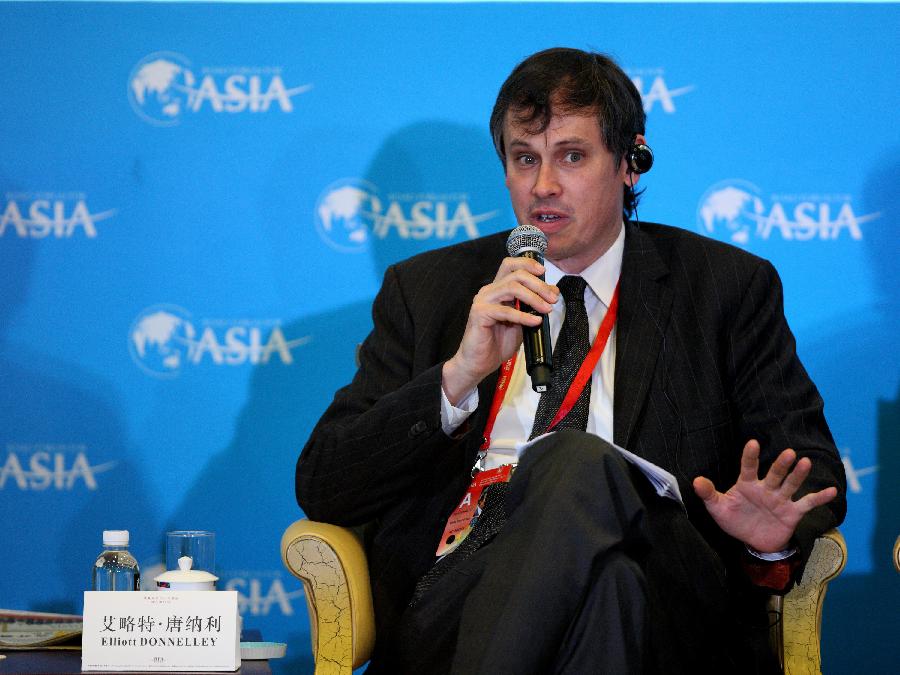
186	579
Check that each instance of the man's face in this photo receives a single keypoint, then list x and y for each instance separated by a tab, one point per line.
565	182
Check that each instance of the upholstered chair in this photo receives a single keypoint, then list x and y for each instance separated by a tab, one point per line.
332	565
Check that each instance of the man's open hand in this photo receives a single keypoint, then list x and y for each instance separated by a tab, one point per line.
761	512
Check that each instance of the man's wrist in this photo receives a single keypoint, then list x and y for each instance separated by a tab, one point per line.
772	556
453	416
455	382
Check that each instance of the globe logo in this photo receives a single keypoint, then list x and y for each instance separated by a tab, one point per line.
733	206
160	87
161	340
345	214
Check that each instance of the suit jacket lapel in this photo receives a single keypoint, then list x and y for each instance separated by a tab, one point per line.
644	308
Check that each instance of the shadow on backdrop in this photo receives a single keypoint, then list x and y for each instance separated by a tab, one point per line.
67	463
426	159
862	612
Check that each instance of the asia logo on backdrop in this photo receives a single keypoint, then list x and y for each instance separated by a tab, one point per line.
738	211
58	215
653	88
49	466
854	474
351	211
165	339
165	86
261	591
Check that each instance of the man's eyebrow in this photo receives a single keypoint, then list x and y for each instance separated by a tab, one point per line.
519	142
570	140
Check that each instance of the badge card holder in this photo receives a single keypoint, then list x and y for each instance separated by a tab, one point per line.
463	518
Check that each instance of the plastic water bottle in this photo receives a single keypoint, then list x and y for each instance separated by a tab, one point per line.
115	569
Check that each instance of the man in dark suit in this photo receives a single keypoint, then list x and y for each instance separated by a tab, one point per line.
578	565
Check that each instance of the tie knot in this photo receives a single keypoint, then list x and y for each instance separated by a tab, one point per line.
572	289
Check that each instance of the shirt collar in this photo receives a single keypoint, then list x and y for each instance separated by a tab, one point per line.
602	275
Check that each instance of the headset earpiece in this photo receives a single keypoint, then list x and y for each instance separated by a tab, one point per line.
640	158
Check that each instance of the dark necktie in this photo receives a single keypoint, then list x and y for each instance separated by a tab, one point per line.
571	349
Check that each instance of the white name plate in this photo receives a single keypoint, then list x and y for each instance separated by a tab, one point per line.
160	631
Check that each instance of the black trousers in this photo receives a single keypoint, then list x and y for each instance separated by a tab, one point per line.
591	573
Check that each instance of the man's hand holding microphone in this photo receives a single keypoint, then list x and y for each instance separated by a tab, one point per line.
500	312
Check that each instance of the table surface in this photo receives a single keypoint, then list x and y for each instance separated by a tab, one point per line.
64	661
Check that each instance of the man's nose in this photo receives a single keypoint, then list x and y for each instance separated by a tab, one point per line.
546	183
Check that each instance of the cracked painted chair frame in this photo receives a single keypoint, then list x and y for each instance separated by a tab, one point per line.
332	565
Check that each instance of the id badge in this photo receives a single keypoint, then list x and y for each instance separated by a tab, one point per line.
463	518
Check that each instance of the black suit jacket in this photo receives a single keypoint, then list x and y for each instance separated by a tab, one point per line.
704	362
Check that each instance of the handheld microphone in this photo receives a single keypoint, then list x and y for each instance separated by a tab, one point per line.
527	241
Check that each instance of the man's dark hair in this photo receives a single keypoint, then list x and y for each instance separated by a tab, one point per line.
562	81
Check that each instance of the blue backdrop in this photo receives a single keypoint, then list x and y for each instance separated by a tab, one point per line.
198	201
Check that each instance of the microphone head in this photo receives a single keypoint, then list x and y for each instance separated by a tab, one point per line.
526	238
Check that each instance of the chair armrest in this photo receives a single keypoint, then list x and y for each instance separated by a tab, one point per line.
331	563
801	616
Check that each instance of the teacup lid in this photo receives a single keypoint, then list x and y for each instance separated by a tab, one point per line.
184	573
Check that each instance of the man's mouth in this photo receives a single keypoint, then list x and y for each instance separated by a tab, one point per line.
549	219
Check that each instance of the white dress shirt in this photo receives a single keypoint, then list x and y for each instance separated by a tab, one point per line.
516	416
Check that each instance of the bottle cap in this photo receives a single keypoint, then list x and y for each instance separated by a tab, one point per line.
115	537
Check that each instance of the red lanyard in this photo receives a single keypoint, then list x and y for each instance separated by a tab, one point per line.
581	377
